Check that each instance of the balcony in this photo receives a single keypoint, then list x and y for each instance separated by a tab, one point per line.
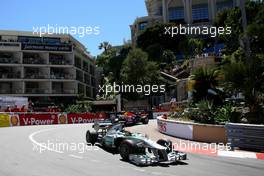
17	91
61	76
36	76
58	60
10	75
8	60
64	91
31	60
36	91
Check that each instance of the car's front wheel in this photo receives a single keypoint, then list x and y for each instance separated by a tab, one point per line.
125	149
91	137
145	120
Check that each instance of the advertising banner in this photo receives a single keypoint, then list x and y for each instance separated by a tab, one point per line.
37	119
81	118
16	119
4	120
157	114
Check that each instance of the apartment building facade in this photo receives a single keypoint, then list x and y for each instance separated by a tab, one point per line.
194	12
51	67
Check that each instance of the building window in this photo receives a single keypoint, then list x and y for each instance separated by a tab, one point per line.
51	40
224	5
142	26
176	13
159	11
25	39
200	13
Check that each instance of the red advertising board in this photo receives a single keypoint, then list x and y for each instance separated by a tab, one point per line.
83	118
37	119
52	118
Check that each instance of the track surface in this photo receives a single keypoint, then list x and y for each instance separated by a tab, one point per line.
20	155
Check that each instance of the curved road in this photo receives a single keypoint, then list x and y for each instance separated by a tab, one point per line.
61	151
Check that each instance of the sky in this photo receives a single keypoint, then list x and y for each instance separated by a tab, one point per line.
113	17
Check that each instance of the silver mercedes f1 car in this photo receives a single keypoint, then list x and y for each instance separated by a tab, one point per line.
133	147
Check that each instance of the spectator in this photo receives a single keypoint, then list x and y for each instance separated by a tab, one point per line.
8	109
23	108
30	106
15	109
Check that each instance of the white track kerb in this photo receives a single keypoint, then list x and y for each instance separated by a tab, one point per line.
43	147
40	145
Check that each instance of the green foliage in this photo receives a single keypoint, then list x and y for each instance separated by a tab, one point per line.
195	45
205	112
111	61
247	78
78	108
138	70
154	41
168	56
205	86
232	18
105	45
223	114
254	31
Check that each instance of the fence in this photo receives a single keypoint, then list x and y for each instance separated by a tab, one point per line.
245	136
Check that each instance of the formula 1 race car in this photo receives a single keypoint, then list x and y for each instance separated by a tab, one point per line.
133	147
130	118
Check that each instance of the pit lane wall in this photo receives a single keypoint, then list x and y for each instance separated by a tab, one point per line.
192	131
28	119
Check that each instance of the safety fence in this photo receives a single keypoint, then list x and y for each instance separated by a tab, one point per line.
245	136
192	131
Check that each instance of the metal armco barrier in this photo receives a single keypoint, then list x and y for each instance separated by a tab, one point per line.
245	136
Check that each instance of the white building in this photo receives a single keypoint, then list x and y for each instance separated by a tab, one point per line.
51	67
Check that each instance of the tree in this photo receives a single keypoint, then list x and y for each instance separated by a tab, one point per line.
247	78
246	23
134	67
168	56
195	46
105	45
205	85
111	61
138	70
154	41
230	18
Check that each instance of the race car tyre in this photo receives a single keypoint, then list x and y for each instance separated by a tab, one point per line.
166	143
91	137
145	120
125	149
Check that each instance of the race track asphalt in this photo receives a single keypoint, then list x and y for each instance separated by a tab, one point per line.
62	154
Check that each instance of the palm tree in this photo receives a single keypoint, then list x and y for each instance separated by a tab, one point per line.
105	46
205	82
